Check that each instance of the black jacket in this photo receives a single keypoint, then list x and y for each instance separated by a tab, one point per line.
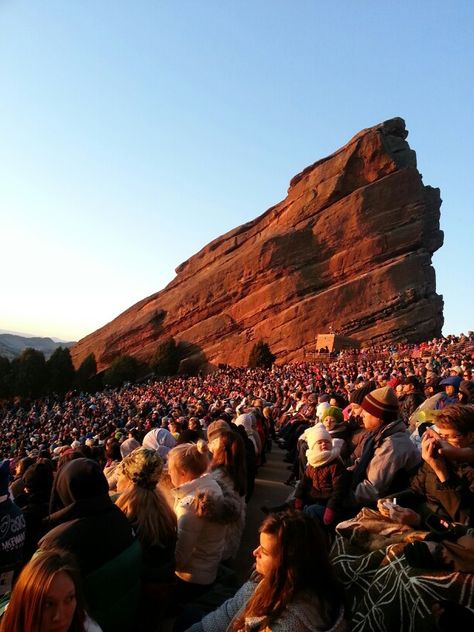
88	525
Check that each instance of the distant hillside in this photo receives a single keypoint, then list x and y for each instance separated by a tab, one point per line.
12	345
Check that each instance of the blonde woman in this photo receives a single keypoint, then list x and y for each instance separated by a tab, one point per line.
200	509
146	508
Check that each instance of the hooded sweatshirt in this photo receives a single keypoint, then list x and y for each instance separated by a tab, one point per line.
86	521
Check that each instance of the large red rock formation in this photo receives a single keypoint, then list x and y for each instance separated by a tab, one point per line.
349	248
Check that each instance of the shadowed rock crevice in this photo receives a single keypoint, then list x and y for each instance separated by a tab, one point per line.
349	247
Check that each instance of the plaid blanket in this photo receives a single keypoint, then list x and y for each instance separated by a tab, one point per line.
385	593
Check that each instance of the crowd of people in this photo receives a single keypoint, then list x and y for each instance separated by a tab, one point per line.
119	508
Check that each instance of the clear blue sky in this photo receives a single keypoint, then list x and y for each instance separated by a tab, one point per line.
134	132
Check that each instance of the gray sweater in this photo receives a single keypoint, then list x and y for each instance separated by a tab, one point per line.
302	615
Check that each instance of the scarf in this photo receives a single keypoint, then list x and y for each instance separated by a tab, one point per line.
374	439
316	458
358	474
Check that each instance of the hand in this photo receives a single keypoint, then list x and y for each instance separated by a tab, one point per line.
385	511
429	448
405	516
430	452
429	432
329	516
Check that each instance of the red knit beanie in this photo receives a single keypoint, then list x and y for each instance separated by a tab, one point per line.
382	403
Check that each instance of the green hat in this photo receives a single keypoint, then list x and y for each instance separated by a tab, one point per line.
334	412
143	467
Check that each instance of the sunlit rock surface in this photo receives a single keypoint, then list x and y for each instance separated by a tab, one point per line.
349	248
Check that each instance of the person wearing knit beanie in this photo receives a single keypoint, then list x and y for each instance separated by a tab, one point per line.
321	450
388	456
379	407
315	433
332	417
142	467
325	483
320	408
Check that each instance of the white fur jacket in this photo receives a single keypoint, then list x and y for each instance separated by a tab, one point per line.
202	513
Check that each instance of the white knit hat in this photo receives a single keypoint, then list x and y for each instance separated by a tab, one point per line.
316	433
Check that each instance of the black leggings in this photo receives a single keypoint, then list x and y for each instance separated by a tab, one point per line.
187	591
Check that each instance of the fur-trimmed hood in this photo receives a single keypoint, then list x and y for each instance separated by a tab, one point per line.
208	499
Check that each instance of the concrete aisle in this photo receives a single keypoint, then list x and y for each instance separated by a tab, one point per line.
269	490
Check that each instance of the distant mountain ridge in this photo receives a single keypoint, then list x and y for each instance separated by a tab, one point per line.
12	345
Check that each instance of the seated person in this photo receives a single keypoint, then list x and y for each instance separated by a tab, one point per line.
227	467
199	507
388	455
325	483
333	420
412	397
451	386
354	420
293	587
85	521
48	596
154	522
441	486
148	511
12	533
38	480
87	524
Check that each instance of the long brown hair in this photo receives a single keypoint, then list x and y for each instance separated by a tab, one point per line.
230	456
25	610
301	564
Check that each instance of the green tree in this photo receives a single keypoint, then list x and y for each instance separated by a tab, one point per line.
86	374
6	378
30	373
166	359
124	368
261	356
61	371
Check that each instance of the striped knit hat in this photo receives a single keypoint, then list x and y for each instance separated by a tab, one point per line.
382	403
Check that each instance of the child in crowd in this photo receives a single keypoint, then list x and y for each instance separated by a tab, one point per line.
333	420
325	482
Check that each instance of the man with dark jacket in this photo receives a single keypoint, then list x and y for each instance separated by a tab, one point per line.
412	397
12	532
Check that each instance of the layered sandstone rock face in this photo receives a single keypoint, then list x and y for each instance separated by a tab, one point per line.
349	248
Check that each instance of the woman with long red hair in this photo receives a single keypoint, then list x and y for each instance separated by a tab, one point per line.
47	597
